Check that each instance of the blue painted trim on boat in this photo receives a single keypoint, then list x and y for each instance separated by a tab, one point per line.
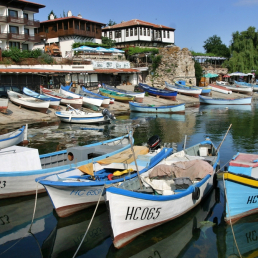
36	95
155	91
16	136
79	96
240	170
235	156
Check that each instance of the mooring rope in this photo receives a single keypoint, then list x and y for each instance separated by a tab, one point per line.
86	232
230	218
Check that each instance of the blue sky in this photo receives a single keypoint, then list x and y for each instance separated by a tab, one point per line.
194	20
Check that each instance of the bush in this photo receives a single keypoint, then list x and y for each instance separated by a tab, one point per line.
47	58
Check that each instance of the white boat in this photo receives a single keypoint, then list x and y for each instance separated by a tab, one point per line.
88	101
54	102
240	89
64	100
3	105
222	101
172	188
220	88
12	138
20	166
81	117
75	190
28	102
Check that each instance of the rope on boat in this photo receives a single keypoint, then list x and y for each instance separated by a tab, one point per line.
35	205
89	223
230	219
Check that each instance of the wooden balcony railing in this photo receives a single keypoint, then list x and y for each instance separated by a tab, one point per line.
18	20
33	23
3	18
19	37
69	32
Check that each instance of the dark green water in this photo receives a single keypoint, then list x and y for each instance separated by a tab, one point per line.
187	236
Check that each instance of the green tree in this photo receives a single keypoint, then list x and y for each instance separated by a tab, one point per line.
109	42
111	23
244	51
52	12
214	45
198	72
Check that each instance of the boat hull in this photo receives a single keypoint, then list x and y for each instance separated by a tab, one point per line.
221	89
116	96
13	138
172	109
241	89
192	92
218	101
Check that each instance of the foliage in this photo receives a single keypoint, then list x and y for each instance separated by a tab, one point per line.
202	54
138	50
214	45
108	42
111	23
47	59
16	54
198	72
156	60
91	44
52	12
64	15
244	51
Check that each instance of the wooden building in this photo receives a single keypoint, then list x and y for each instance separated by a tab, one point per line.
17	24
68	30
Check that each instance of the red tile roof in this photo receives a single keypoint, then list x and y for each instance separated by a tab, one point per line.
39	5
71	17
136	22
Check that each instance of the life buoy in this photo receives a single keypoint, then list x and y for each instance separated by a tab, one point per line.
110	176
196	193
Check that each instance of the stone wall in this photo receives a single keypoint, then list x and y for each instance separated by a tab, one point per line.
176	64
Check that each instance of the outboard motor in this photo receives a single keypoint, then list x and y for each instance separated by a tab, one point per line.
154	142
107	114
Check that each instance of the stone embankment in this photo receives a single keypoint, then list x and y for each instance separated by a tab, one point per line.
19	116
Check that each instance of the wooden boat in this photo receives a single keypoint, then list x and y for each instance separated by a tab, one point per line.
240	89
115	95
254	86
28	102
20	166
12	138
222	83
64	100
220	88
134	210
81	117
139	107
206	90
183	90
167	94
3	105
139	96
53	102
88	101
220	101
241	186
65	188
106	100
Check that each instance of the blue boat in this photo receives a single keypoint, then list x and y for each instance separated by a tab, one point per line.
157	92
54	102
206	90
254	86
169	109
220	101
241	187
21	165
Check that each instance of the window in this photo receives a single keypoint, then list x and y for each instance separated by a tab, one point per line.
127	32
92	28
13	13
88	27
144	31
164	33
54	28
135	31
14	44
148	32
140	31
14	29
131	32
168	34
118	34
46	29
25	47
110	34
65	26
76	25
97	29
26	31
26	16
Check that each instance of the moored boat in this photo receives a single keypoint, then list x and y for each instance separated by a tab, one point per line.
240	89
172	188
88	101
53	102
220	88
241	186
221	101
28	102
183	90
88	183
206	90
20	166
4	105
12	138
139	96
166	94
254	86
115	95
170	109
64	100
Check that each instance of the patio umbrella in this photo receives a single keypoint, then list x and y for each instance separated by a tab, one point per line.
116	50
210	75
226	76
84	48
238	74
102	49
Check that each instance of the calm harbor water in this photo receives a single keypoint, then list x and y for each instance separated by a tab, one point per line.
199	233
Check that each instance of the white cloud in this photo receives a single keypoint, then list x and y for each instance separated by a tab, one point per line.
247	2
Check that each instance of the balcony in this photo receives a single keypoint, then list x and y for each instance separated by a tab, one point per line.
156	39
33	23
17	20
3	19
19	37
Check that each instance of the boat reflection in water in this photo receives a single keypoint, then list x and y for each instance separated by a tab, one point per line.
175	117
15	221
65	238
179	237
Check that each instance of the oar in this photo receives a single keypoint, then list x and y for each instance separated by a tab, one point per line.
141	186
223	139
